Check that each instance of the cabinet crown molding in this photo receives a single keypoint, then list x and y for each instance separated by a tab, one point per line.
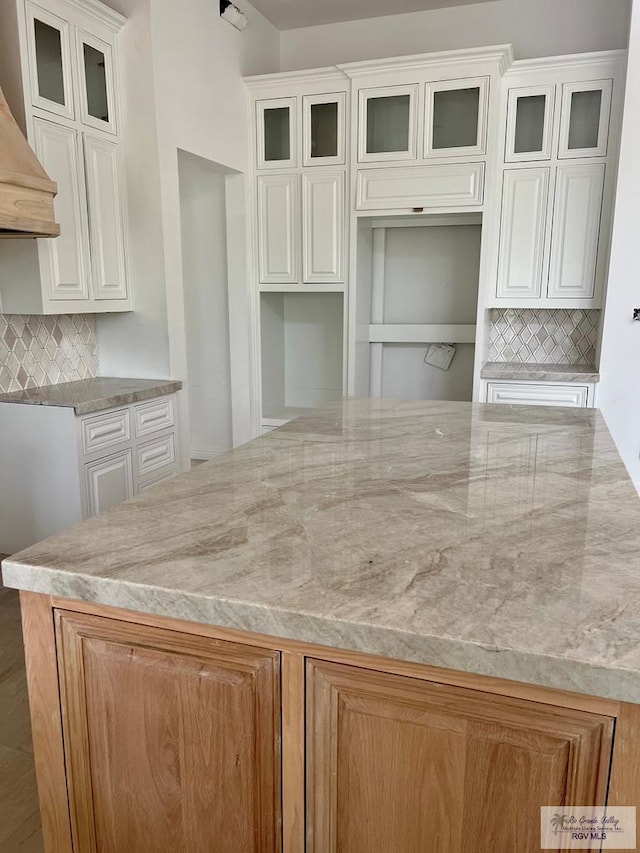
331	74
99	12
502	54
569	62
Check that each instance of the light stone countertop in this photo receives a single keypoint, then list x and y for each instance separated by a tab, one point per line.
512	370
491	539
93	395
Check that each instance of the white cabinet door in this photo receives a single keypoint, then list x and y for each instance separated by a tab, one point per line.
109	482
277	228
277	124
105	219
522	228
323	227
49	47
387	123
530	112
456	117
64	262
584	119
576	225
538	394
323	129
96	84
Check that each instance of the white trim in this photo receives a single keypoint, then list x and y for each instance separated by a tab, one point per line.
567	62
256	82
207	453
99	12
503	54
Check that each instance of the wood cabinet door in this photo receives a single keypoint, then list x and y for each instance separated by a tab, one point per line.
64	262
104	195
576	226
171	740
323	227
522	232
397	764
278	228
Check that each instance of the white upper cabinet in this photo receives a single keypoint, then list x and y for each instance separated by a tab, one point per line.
323	129
387	123
456	118
276	121
323	211
575	228
530	112
277	229
584	124
50	61
97	83
522	230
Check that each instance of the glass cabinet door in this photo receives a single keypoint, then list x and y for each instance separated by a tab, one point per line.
323	129
49	62
584	122
96	83
456	118
276	124
387	126
529	123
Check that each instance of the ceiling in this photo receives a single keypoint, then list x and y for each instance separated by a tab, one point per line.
289	14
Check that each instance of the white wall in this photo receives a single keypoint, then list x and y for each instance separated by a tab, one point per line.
204	268
534	27
620	354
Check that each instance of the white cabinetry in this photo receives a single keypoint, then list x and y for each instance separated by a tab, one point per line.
555	218
277	228
64	91
61	467
568	394
323	226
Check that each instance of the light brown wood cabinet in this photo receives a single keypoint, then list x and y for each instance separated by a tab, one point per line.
154	735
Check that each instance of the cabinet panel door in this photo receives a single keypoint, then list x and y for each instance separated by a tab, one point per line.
65	263
540	394
522	229
399	764
277	228
171	740
576	226
448	185
323	227
529	123
108	482
49	47
97	83
584	120
105	219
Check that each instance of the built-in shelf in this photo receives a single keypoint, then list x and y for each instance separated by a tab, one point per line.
426	333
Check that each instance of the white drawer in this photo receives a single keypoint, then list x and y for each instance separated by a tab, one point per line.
154	416
155	454
103	432
160	478
538	394
434	187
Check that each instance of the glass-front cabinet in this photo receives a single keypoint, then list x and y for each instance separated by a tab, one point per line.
323	135
50	62
584	124
529	123
456	118
388	123
96	83
277	139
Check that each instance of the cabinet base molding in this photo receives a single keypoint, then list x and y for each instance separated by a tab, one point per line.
47	655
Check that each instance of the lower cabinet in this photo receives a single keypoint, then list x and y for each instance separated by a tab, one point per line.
178	737
172	741
400	764
109	482
573	395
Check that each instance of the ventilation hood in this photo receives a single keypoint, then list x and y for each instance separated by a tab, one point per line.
26	193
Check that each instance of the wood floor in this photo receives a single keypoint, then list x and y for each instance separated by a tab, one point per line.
19	818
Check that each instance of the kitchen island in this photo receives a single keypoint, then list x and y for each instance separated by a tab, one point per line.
383	627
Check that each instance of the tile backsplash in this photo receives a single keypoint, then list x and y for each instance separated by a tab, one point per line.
38	351
544	336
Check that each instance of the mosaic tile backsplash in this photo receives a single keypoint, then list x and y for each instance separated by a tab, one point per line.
544	336
38	351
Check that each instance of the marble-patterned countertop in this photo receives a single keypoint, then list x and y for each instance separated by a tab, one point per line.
490	539
93	395
539	372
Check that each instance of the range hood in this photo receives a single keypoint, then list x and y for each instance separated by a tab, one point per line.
26	193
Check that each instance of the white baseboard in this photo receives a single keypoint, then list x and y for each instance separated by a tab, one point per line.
207	453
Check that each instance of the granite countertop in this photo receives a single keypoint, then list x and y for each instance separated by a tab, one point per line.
489	539
93	395
540	372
